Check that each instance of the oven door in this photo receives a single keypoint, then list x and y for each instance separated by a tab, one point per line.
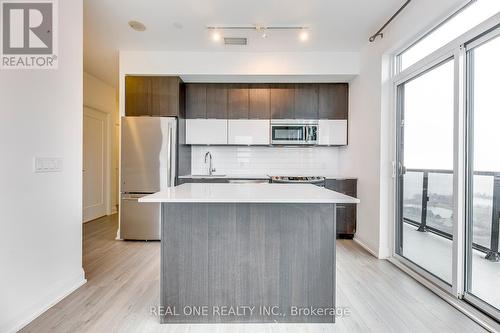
288	134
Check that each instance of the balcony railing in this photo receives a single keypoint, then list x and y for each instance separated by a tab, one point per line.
432	204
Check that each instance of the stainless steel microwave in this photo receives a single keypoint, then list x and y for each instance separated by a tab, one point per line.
294	132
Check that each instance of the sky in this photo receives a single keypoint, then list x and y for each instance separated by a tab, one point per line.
429	98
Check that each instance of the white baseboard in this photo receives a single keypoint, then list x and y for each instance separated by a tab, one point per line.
52	297
366	247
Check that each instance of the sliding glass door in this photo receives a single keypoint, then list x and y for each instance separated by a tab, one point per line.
425	186
483	190
447	163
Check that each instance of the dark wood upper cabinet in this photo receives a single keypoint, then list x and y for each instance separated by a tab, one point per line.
306	101
165	96
138	96
333	101
260	102
196	100
282	101
263	101
153	96
238	101
216	101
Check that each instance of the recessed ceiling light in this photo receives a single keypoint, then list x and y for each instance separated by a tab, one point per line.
261	30
137	26
216	36
304	36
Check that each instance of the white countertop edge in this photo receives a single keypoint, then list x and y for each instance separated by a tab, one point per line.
283	201
248	193
260	176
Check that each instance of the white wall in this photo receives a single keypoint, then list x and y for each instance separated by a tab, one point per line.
41	214
239	63
232	160
103	97
369	155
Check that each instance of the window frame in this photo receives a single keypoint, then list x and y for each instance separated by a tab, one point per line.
456	49
443	21
399	87
469	138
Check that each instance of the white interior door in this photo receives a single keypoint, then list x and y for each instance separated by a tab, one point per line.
95	128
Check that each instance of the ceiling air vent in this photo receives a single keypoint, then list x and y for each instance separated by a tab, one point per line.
235	41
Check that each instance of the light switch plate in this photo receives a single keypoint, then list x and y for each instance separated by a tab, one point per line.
48	164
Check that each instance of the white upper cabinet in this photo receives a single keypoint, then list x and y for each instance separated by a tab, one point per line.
206	131
248	132
332	132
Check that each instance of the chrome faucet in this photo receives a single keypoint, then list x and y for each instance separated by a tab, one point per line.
210	169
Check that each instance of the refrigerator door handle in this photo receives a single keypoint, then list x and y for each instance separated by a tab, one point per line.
169	156
130	199
173	142
132	196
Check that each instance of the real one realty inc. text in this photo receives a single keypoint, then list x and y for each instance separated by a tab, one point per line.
248	311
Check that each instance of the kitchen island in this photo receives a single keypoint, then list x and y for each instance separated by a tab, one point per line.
247	253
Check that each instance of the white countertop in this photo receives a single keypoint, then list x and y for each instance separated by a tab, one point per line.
249	193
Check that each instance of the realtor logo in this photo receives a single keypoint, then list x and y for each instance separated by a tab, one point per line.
29	34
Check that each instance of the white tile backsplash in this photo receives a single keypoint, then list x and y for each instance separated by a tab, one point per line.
232	160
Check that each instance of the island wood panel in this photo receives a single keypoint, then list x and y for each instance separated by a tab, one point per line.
251	254
184	256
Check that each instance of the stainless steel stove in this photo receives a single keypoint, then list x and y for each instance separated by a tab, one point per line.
316	180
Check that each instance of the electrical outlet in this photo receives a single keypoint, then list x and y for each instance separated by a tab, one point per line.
48	164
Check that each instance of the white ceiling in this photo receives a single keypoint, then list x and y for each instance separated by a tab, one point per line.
335	25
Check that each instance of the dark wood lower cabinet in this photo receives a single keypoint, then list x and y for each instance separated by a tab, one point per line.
346	214
181	181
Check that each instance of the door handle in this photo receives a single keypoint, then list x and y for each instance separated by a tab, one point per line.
402	169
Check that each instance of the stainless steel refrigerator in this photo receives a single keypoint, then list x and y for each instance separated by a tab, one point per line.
148	153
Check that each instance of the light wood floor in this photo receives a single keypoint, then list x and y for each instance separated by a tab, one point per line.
123	283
